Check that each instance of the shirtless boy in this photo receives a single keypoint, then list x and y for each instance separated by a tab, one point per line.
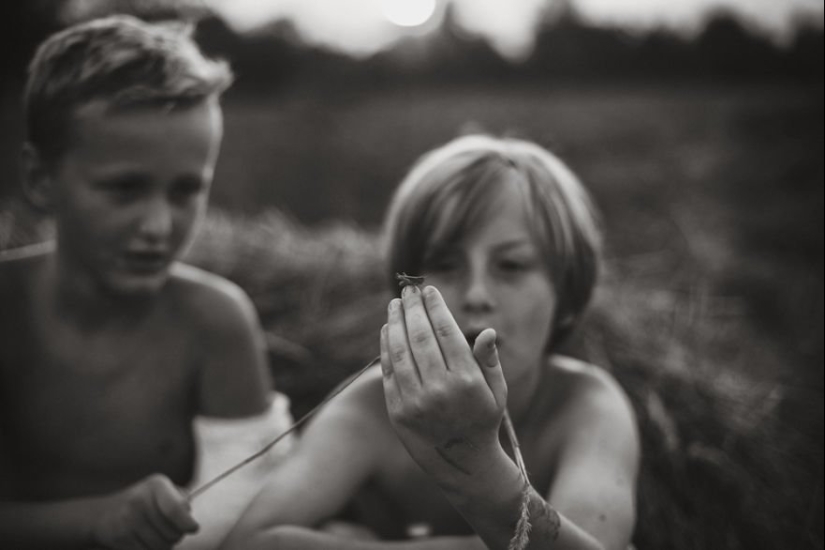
509	242
111	348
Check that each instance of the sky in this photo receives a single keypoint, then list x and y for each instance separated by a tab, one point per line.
362	27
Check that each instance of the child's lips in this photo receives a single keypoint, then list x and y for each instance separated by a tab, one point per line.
148	262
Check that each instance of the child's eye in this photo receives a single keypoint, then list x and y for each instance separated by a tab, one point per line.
186	189
511	265
514	266
123	188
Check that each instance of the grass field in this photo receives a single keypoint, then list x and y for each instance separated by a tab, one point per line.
711	310
719	187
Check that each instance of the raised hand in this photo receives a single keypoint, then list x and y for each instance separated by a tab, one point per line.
152	514
445	401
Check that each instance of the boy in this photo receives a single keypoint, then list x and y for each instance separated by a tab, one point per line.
510	244
115	356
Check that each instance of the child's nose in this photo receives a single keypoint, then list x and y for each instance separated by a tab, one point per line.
156	222
477	295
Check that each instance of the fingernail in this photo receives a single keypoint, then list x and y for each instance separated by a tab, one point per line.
429	291
493	341
409	289
394	304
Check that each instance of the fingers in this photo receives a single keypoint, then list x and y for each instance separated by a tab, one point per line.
400	357
451	341
424	345
486	354
163	533
391	392
173	506
150	515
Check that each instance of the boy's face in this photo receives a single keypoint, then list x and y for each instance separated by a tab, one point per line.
129	190
496	276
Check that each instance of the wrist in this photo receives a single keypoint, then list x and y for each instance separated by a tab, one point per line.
495	480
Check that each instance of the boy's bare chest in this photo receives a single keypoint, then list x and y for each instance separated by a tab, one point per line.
94	409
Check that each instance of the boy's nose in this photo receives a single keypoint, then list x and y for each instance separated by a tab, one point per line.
477	295
156	222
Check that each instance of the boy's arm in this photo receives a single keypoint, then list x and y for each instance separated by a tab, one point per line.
339	450
237	411
150	514
291	537
591	503
446	404
595	483
233	376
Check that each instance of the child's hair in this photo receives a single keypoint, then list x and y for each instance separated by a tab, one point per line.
452	189
118	60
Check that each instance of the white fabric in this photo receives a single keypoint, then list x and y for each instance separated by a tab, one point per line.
221	443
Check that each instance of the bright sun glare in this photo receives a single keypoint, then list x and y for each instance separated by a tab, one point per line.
409	13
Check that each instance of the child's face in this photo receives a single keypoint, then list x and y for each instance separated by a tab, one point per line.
497	277
129	190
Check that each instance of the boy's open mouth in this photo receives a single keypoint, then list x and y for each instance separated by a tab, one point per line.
146	261
472	335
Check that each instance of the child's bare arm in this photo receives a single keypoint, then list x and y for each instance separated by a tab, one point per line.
150	514
446	405
300	538
596	474
336	453
230	352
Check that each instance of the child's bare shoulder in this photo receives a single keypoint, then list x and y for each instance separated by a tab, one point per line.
591	393
211	300
229	345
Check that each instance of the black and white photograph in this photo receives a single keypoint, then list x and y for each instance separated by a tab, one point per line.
412	275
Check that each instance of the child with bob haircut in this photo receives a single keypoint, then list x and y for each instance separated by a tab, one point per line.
122	369
509	243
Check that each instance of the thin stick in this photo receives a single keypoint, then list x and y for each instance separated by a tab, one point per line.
511	435
203	488
521	538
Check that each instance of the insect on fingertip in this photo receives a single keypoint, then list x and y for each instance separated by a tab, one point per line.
405	280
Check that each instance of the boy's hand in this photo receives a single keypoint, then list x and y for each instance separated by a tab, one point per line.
445	401
152	514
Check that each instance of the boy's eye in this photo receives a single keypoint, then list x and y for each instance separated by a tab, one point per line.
123	187
515	265
508	265
187	188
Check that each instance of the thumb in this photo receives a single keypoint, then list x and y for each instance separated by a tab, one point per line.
174	506
485	352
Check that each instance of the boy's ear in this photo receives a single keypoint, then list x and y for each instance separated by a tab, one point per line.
38	183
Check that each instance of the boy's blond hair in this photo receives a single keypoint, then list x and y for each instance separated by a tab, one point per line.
465	176
120	61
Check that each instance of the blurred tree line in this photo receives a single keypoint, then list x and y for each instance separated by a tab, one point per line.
566	48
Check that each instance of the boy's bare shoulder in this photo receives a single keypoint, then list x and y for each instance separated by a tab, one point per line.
591	393
209	300
230	351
